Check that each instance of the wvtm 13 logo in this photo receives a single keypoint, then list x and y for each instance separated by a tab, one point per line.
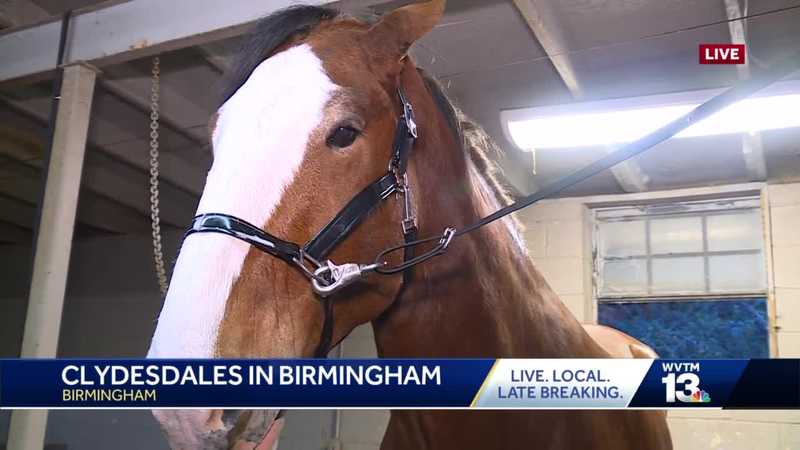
683	383
722	53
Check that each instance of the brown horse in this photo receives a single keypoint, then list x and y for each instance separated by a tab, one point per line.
310	121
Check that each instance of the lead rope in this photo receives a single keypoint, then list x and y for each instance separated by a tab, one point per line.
158	254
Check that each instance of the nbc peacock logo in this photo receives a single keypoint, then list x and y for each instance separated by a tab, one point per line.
685	388
700	396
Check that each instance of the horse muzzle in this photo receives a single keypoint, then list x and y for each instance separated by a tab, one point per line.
220	429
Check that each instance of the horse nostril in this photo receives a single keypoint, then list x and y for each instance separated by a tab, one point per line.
229	417
255	429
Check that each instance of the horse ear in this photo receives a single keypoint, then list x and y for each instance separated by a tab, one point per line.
402	27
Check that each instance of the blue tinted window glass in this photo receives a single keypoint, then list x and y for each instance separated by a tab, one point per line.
694	329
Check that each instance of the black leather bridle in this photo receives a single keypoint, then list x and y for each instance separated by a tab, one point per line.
311	258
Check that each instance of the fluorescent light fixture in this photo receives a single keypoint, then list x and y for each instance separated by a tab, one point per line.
620	121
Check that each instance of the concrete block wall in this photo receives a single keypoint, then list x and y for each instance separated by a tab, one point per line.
784	210
556	234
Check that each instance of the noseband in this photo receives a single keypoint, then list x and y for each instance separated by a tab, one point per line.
311	258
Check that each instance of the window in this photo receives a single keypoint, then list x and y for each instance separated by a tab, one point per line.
689	279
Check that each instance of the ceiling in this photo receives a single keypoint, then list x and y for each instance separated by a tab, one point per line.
486	55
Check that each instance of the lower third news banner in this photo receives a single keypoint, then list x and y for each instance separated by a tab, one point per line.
394	383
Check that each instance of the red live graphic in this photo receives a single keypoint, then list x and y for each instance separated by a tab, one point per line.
722	53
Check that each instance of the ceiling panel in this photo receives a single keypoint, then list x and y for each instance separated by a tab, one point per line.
659	65
774	35
486	36
695	162
482	94
592	23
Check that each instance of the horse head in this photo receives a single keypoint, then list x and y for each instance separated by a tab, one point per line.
310	121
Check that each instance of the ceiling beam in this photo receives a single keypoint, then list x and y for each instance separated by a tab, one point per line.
544	24
134	29
135	91
177	173
106	176
216	56
13	234
17	212
21	182
103	179
176	112
752	145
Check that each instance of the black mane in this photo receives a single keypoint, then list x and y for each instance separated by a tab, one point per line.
267	35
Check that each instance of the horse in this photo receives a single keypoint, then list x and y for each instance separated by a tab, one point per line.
313	114
618	344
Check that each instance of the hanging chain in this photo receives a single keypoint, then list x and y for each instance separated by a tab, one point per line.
158	255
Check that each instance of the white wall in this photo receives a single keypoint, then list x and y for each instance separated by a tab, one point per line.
784	213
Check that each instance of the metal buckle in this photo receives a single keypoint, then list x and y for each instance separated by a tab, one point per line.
447	236
408	114
300	262
338	276
410	123
409	221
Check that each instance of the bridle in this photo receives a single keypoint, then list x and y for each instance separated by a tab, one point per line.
311	258
327	278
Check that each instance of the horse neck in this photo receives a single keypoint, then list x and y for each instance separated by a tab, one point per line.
483	298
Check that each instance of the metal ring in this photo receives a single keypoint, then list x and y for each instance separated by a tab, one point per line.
300	262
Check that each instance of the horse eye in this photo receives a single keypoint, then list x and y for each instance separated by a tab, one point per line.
342	137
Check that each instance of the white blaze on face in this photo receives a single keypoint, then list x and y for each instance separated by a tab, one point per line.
259	143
